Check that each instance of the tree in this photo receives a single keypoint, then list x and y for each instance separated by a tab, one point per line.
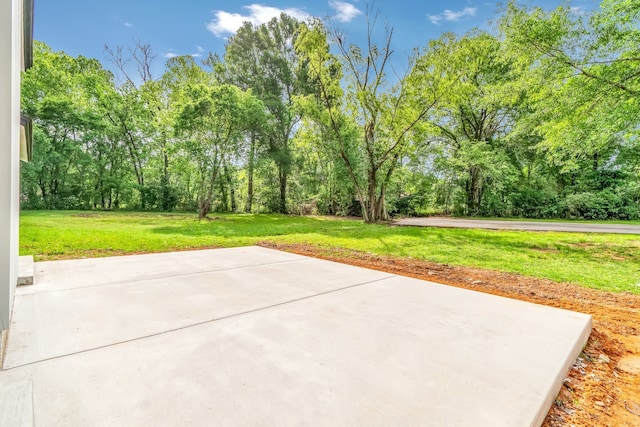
373	122
580	69
591	102
131	111
540	121
476	114
214	119
263	59
75	160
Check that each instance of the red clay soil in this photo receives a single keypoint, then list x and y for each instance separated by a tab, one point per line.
602	388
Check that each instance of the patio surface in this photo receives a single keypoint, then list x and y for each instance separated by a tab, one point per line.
252	336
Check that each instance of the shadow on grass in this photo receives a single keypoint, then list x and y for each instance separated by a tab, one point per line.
255	226
389	238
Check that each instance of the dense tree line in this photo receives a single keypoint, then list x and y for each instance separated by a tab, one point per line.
540	120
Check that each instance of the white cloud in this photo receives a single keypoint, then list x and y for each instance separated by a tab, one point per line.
452	15
346	12
128	24
172	53
199	52
228	23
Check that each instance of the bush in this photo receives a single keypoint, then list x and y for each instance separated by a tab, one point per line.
410	205
602	205
160	197
535	203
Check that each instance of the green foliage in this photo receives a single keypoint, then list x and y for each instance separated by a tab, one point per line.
535	202
213	120
591	103
263	59
76	164
603	205
411	205
372	124
161	197
539	120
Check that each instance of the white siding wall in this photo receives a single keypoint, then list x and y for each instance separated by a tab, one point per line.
10	65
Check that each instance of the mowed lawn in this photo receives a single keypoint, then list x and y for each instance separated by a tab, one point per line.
602	261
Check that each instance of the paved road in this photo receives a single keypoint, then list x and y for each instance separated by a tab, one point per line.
520	225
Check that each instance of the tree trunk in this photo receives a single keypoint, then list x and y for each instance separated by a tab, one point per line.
474	190
43	189
383	214
232	192
234	205
223	203
137	164
365	211
381	205
252	152
372	202
166	192
282	176
205	206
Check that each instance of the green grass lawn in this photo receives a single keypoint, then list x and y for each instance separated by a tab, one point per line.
602	261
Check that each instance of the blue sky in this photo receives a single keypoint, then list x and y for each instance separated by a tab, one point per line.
195	27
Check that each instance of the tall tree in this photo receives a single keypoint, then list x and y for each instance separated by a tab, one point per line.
591	103
263	59
214	120
129	109
62	94
476	113
372	121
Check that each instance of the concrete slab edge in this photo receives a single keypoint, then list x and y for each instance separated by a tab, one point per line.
578	346
3	346
25	270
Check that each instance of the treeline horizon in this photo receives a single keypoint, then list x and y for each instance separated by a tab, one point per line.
538	118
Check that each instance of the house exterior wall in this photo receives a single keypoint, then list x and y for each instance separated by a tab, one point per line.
10	66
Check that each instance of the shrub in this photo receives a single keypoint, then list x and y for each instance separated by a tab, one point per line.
602	205
410	205
535	203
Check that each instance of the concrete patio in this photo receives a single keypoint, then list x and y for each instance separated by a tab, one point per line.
256	337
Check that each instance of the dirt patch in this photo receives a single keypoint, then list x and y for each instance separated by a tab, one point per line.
600	389
85	215
546	250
